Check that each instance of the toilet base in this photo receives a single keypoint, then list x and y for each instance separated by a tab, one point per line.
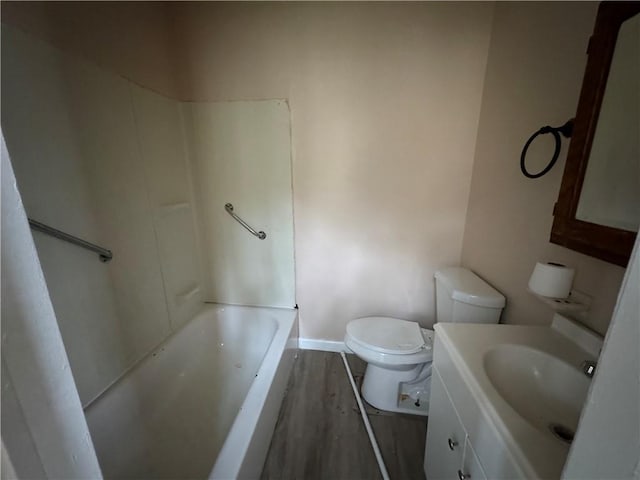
397	391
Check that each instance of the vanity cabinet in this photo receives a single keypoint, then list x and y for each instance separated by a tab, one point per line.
446	438
497	423
448	451
477	450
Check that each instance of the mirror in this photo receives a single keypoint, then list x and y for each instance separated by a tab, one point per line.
598	209
611	191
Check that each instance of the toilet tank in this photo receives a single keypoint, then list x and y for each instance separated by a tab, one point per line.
463	297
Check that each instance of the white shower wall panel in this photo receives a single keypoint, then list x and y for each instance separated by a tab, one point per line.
102	106
162	146
178	257
52	176
99	158
241	154
164	159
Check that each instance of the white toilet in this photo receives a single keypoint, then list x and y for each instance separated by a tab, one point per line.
399	353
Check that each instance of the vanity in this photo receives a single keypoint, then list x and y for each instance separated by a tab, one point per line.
506	399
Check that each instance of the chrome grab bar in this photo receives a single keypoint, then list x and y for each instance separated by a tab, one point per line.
105	255
229	208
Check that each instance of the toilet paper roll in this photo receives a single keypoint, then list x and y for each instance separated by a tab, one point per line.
551	280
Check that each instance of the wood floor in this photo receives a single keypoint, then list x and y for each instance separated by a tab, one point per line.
320	434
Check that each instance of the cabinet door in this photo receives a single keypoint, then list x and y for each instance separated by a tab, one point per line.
445	435
471	468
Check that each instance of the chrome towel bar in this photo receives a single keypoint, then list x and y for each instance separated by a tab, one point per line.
229	208
105	255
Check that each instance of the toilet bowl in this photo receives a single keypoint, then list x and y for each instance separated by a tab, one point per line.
399	352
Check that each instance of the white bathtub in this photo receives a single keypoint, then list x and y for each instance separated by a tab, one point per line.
203	404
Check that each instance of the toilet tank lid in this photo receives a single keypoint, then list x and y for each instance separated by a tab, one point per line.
465	286
386	334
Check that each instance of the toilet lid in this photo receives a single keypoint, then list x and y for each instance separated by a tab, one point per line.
386	335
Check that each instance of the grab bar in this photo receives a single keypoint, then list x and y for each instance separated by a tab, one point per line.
105	255
229	208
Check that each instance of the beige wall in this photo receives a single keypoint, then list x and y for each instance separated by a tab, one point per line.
130	38
534	73
385	100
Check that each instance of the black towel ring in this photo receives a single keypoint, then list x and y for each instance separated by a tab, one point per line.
566	130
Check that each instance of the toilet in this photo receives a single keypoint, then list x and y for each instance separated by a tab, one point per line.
399	352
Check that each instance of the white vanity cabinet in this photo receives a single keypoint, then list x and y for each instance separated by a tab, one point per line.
448	453
499	426
477	451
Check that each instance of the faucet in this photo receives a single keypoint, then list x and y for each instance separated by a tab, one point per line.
589	368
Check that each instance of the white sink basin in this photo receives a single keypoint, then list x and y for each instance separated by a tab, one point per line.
546	391
522	382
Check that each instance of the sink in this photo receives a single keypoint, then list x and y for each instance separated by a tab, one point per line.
519	389
544	390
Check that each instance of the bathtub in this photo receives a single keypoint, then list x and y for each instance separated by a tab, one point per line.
204	403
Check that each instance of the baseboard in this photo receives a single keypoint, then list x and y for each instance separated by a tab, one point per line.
322	345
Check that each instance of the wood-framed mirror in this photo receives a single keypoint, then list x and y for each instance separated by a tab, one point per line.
598	205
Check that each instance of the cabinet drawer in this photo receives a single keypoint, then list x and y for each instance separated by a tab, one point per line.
445	435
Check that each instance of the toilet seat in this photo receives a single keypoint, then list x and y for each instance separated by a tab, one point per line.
386	335
389	341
